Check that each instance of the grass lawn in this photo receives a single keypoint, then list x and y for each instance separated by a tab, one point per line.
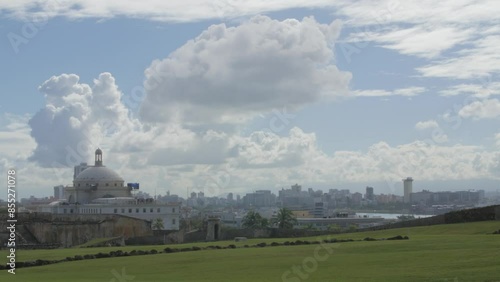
454	252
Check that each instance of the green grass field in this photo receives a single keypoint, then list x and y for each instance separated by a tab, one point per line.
454	252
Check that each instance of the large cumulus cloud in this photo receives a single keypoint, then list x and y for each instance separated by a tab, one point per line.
228	74
75	118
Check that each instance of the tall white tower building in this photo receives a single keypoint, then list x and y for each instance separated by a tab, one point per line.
408	189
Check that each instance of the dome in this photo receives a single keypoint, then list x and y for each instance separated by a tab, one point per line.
98	173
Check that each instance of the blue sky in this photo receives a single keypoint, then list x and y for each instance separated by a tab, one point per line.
233	96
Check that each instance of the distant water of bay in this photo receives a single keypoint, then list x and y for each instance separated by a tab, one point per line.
389	215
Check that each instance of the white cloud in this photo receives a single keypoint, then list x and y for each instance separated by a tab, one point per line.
429	124
408	92
420	41
230	74
15	141
482	109
480	60
477	90
437	134
168	11
75	118
461	35
264	149
497	139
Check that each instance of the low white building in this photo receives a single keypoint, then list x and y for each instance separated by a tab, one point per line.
100	190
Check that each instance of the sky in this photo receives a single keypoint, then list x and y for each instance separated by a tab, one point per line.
237	96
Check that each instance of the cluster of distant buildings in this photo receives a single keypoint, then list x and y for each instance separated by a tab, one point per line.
99	190
439	202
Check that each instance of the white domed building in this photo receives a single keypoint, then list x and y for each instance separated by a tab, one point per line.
96	182
100	190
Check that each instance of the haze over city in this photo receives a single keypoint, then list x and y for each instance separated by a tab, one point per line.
236	97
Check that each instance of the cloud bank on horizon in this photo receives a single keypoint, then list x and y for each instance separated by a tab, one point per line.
202	97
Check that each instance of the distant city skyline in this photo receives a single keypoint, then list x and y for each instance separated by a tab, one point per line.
239	97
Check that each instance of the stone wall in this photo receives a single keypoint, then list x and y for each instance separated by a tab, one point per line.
70	230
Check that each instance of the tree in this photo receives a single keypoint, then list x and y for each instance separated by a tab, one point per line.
285	219
158	224
352	228
254	220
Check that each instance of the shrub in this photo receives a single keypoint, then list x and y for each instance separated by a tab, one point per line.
369	239
399	237
263	244
153	252
169	250
286	243
78	257
232	246
196	248
42	262
246	246
117	253
274	244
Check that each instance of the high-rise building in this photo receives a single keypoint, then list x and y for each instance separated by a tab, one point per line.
59	192
230	197
369	193
79	168
408	188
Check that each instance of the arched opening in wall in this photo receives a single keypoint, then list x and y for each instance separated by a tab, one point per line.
216	232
